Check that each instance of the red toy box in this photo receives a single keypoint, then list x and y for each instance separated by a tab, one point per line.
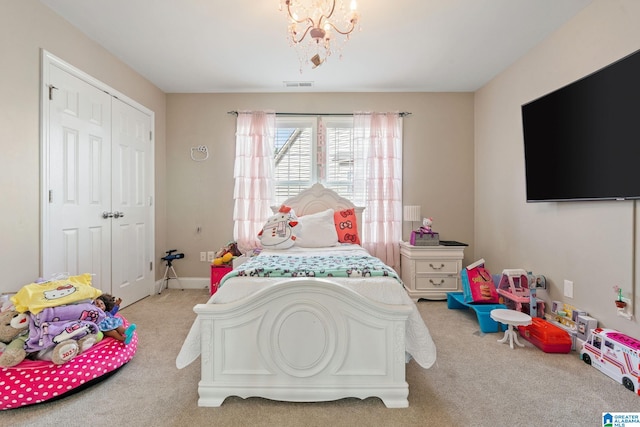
547	337
217	273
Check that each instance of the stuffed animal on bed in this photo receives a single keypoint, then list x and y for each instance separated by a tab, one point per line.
14	330
279	232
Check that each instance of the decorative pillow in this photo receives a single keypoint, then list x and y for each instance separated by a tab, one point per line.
317	230
279	232
477	284
34	297
346	226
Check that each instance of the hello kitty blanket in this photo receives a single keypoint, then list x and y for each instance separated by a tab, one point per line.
333	265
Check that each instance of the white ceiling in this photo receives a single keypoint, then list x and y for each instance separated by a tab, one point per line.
203	46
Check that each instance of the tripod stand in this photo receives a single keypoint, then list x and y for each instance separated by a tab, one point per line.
169	258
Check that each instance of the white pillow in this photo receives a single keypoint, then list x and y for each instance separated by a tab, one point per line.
316	230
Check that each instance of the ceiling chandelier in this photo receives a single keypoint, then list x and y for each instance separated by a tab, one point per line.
313	24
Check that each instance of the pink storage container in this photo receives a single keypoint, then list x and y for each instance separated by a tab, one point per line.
217	273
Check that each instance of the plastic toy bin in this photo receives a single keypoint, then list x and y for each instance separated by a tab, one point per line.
546	336
455	301
217	273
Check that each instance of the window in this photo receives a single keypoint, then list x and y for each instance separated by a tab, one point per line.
294	153
359	157
315	149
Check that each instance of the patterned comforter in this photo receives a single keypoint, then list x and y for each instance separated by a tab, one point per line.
342	265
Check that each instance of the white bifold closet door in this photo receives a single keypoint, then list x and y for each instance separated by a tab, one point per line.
97	161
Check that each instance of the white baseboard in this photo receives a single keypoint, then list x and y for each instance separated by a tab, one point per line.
186	283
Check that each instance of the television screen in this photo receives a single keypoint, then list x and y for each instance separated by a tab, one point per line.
582	141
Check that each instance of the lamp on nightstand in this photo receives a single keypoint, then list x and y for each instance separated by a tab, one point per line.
412	213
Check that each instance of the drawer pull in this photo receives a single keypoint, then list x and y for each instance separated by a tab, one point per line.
436	284
436	268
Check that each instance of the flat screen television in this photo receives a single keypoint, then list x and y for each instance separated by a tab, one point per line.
582	141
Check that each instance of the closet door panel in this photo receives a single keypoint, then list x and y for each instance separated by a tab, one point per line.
76	236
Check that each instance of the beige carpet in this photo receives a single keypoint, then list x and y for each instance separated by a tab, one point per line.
475	382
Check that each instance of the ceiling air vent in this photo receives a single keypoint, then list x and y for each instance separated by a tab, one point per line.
298	84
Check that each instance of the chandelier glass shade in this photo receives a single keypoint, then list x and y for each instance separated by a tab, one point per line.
319	27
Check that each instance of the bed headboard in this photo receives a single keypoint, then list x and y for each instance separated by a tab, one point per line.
318	198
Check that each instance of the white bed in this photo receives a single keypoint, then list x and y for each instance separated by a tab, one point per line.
308	339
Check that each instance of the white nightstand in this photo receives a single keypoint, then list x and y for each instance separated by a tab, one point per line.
430	272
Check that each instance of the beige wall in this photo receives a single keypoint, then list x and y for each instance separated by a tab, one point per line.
589	243
478	200
26	27
438	146
438	160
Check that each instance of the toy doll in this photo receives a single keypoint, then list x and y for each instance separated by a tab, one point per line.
113	326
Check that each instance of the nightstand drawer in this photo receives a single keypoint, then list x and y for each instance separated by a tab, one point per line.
440	283
436	266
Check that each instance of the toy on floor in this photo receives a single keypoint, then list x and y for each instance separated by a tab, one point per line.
113	326
62	349
42	337
573	320
62	332
519	292
477	284
60	322
14	330
26	384
546	336
614	354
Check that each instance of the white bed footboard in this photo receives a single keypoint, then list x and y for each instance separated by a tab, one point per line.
303	340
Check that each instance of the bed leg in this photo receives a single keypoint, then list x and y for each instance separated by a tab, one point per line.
211	402
396	397
395	403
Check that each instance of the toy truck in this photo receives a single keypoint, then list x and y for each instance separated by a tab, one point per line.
614	354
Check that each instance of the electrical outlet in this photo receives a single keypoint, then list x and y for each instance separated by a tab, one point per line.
210	256
203	256
568	288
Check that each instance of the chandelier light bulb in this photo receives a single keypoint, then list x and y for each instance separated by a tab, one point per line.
318	19
317	34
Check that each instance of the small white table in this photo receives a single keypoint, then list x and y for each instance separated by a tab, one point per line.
510	318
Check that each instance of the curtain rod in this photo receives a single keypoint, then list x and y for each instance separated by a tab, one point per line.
402	114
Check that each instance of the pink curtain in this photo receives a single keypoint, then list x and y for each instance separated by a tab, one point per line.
253	173
379	174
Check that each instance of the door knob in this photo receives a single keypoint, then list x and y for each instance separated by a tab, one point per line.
117	214
106	214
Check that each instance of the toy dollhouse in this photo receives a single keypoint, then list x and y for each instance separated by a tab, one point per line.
519	294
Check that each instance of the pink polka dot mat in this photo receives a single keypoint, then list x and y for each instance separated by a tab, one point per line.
36	381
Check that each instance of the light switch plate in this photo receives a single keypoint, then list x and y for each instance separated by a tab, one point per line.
568	288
